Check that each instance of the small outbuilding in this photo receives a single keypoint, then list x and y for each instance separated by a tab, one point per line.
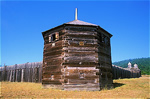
77	56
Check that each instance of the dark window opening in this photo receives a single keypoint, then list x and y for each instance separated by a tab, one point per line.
53	37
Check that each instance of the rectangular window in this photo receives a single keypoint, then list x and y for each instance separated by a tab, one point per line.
53	37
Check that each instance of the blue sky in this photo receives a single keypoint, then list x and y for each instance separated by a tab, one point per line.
23	21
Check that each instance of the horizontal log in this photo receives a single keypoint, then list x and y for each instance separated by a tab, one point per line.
75	35
107	66
76	55
104	58
82	36
55	52
58	86
78	72
94	44
80	39
80	65
52	49
81	68
75	30
81	81
48	76
103	67
55	59
52	68
49	79
51	82
104	50
83	64
81	53
88	41
49	45
104	62
83	58
80	48
89	85
46	65
86	77
78	34
52	72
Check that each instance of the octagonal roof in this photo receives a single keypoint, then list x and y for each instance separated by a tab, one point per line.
78	22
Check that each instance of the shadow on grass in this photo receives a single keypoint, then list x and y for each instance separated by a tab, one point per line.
118	85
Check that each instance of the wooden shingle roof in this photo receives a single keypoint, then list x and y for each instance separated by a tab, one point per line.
78	22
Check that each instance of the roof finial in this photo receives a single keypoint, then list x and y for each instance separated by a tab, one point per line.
76	16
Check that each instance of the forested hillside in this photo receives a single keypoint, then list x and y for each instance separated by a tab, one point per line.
143	64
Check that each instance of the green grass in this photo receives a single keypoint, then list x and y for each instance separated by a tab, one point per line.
123	88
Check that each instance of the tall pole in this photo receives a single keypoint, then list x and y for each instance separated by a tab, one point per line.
76	16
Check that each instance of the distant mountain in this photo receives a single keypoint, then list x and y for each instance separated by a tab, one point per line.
143	64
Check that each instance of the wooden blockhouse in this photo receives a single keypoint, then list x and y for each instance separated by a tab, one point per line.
77	56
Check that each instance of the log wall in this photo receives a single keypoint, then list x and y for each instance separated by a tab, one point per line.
53	57
80	60
104	59
77	57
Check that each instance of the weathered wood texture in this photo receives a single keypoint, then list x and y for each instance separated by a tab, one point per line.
79	57
28	72
52	58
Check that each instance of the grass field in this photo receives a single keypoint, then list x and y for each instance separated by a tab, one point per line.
124	88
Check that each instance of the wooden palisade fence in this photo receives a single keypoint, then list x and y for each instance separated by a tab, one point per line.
27	72
119	72
32	72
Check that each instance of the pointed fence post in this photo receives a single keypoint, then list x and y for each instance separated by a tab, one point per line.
5	75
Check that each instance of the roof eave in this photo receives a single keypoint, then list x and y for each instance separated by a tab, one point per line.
79	25
52	29
66	25
105	31
76	25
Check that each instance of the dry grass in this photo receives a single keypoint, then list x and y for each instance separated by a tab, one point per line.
124	88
